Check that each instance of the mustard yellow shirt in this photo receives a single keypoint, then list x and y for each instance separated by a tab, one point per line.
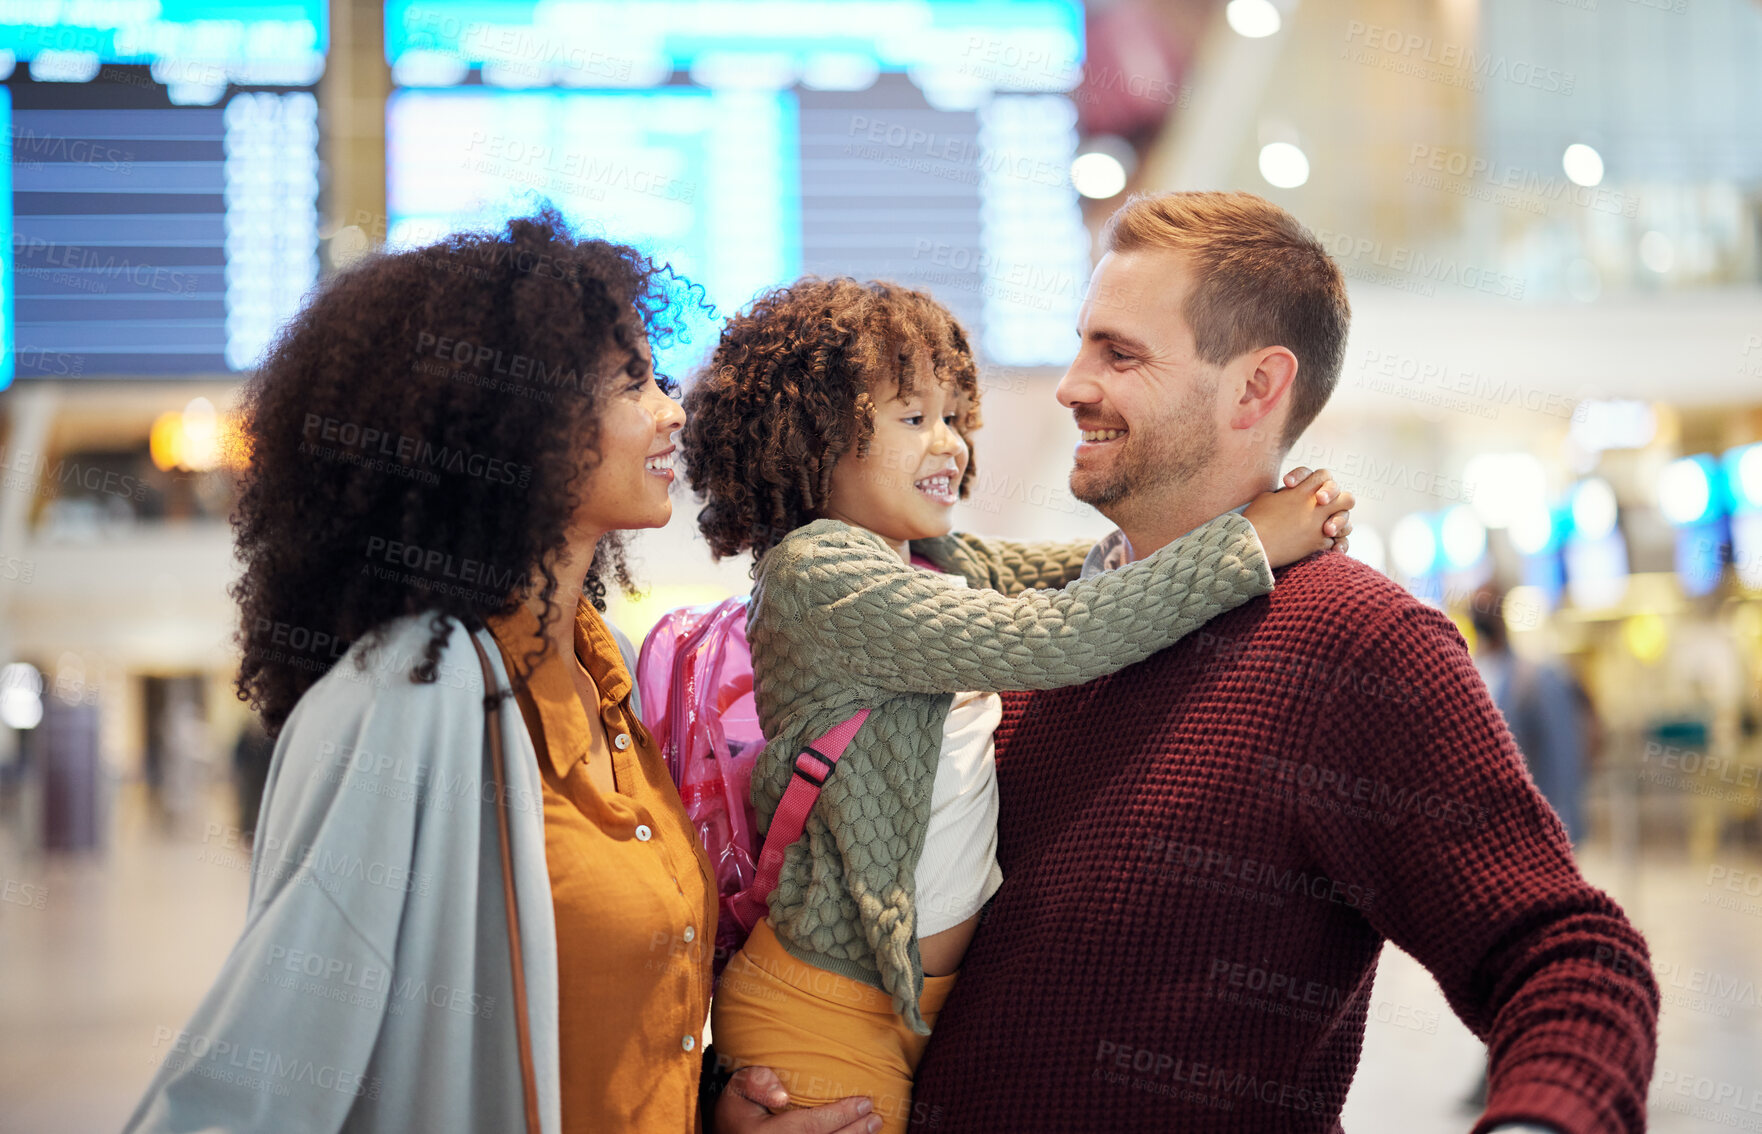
633	894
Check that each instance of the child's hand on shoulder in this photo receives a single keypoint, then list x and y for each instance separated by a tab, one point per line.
1311	513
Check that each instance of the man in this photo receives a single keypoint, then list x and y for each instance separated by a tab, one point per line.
1204	854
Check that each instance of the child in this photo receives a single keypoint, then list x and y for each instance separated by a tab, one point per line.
829	437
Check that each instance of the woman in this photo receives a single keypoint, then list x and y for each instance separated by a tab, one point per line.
443	447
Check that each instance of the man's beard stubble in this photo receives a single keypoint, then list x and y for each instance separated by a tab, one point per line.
1155	458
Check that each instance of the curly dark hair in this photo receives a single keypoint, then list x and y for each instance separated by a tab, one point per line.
792	388
417	438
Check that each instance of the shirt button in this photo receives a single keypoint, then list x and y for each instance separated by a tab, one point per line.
621	741
643	832
688	1042
690	935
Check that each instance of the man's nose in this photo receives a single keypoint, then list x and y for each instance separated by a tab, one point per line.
1077	388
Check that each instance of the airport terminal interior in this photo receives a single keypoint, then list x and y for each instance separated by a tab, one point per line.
1548	214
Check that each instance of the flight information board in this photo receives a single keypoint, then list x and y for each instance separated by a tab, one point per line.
990	44
263	41
747	143
155	240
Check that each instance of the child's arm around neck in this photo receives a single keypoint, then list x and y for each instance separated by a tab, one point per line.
842	602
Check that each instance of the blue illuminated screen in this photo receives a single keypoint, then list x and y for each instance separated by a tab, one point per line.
132	31
748	143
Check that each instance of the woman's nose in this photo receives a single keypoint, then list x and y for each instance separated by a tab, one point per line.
670	417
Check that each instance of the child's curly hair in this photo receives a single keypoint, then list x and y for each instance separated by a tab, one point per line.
793	387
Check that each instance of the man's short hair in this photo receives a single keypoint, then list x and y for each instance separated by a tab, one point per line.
1259	279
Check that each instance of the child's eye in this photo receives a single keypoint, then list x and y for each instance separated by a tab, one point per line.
913	419
949	419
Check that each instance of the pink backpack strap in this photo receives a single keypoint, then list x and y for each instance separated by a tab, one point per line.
812	768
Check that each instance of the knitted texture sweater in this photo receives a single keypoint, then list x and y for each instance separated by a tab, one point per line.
838	623
1204	854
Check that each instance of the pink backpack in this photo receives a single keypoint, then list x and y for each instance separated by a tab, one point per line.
695	679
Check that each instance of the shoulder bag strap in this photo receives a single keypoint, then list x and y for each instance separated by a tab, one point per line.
492	722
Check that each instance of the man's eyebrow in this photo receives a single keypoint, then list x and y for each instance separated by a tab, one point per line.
1132	345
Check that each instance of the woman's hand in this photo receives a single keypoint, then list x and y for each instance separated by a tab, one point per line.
753	1098
1311	514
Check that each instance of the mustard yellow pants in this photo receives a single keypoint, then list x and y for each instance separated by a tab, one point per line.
826	1036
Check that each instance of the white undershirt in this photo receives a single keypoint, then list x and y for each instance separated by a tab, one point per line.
958	872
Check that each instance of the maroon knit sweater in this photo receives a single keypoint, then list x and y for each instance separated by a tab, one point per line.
1202	858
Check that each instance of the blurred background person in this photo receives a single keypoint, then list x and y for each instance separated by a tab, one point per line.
1545	707
251	753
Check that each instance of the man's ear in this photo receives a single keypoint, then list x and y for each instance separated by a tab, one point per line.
1266	377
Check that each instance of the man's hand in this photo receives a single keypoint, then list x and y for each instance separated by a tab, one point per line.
753	1097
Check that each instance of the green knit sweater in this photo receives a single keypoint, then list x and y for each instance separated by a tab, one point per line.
838	623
